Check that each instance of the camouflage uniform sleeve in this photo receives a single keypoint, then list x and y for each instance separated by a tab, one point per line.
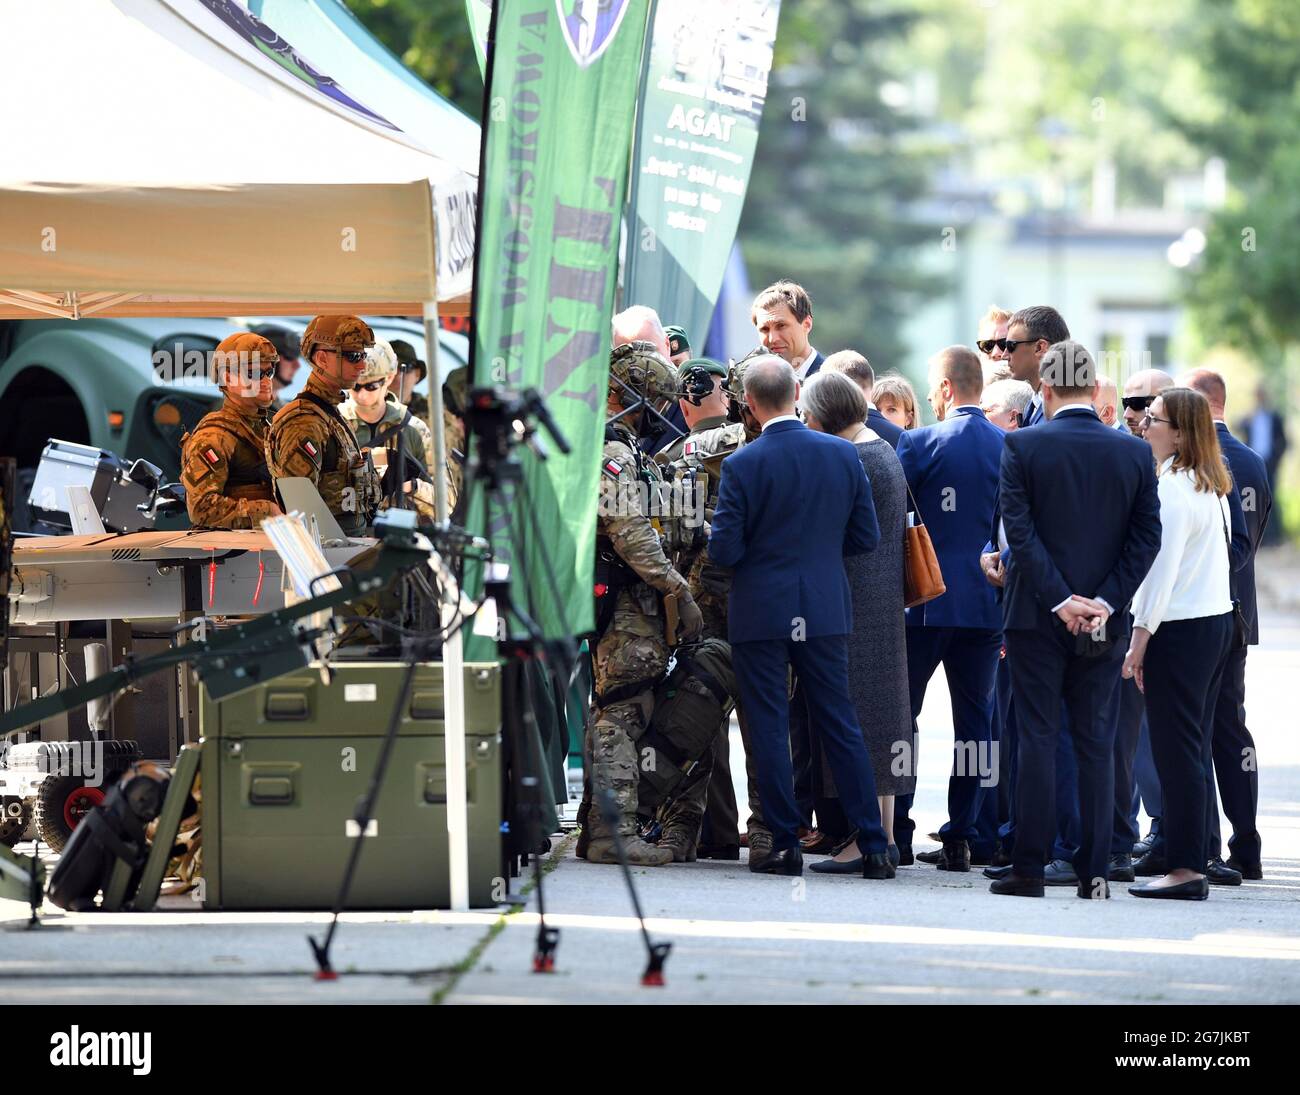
204	470
295	446
620	517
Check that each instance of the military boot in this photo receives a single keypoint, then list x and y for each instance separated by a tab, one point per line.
603	849
584	830
760	847
680	840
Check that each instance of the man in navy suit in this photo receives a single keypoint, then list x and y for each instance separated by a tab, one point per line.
782	315
1234	748
952	470
791	505
1082	519
858	369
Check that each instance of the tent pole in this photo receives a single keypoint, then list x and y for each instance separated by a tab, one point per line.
453	654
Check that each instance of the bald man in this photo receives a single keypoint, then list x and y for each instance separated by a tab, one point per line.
1105	401
1140	391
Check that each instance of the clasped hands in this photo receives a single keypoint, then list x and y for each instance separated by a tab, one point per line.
1083	615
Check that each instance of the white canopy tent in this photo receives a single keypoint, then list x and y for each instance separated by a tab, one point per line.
174	157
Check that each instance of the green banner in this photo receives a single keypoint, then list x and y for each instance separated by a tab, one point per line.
705	85
559	122
479	14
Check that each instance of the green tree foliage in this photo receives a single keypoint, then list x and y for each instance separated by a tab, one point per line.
432	38
1244	290
835	172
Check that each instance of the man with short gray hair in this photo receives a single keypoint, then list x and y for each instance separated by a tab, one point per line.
792	504
1006	402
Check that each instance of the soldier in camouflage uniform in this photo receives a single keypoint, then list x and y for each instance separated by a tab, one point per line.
309	438
712	437
223	461
376	418
455	402
631	650
711	586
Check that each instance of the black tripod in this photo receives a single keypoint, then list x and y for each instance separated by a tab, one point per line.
501	422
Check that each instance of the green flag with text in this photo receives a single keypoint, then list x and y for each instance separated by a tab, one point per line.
705	86
560	107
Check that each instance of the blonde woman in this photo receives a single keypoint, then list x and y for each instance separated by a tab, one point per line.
895	398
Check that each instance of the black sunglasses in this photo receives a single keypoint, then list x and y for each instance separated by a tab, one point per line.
369	386
1010	344
988	345
349	355
1137	402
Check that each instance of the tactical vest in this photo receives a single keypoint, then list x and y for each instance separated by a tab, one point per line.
247	475
342	468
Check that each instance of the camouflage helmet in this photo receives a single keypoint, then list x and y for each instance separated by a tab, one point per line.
336	333
640	367
381	363
238	356
735	383
455	391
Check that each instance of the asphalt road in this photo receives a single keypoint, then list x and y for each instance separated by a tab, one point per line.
737	937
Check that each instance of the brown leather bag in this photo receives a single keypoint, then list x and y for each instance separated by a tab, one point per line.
922	578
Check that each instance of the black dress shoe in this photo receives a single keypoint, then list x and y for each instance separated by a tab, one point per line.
1014	885
1218	873
1151	865
930	857
1059	873
718	851
1252	871
1145	844
1196	890
894	854
832	866
953	856
877	865
904	856
1120	868
788	861
997	872
1096	893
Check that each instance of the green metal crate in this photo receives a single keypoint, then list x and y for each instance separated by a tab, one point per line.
285	763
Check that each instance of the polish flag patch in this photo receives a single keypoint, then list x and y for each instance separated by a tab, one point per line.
689	448
210	455
613	468
309	448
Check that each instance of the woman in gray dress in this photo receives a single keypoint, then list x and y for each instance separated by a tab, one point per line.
832	403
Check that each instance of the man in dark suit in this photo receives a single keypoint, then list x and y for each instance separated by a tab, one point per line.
782	315
952	470
1082	519
858	369
1265	433
790	506
1233	746
1030	332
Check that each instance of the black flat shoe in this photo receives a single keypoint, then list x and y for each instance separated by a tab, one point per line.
997	872
831	866
877	865
1252	871
788	861
1151	865
1014	885
1120	868
1196	890
1218	873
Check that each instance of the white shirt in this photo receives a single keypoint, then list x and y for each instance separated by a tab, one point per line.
1189	579
801	370
781	418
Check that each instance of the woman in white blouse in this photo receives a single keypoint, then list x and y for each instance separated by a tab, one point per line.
1182	629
